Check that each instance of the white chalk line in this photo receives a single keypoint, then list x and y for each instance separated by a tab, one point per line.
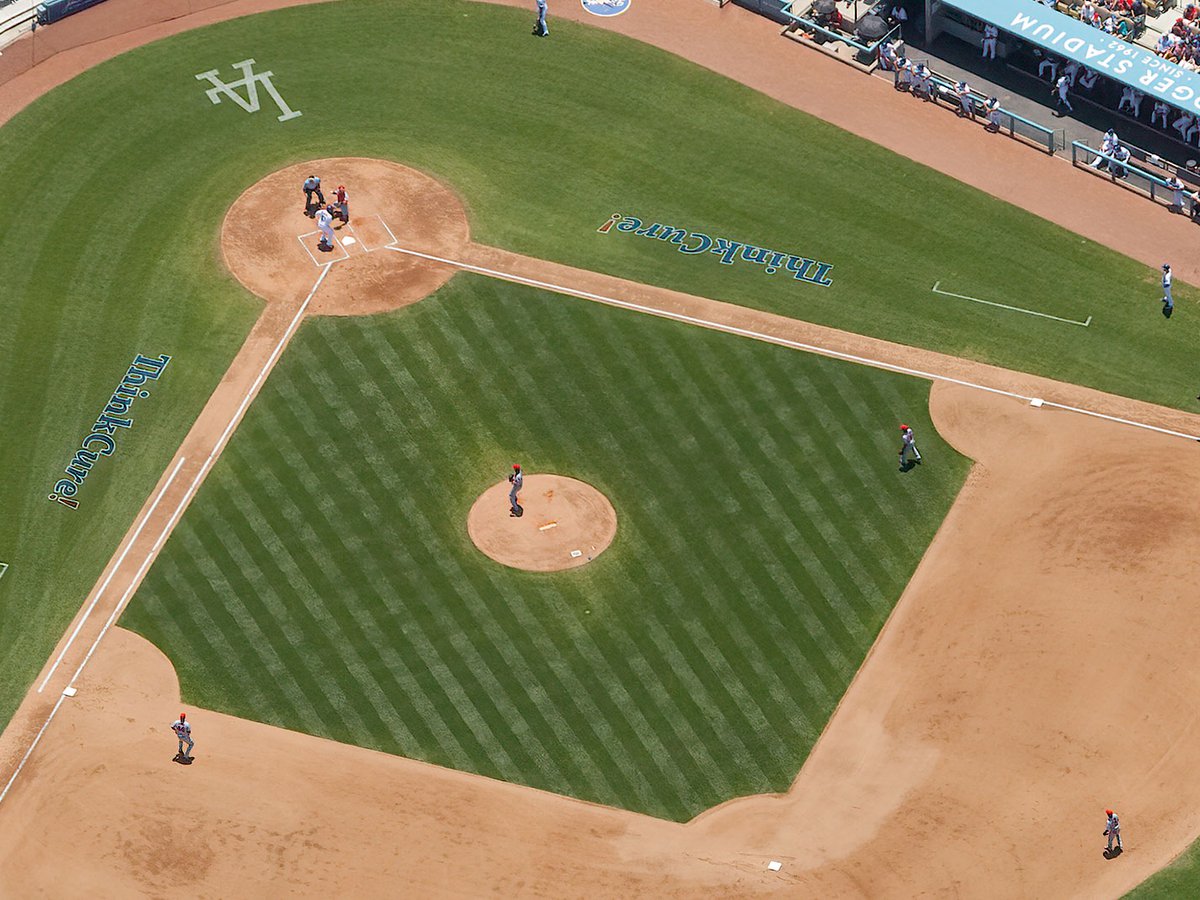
782	342
1028	312
170	526
111	572
32	747
3	569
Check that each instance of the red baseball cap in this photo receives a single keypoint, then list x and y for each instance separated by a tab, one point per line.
182	716
903	427
516	465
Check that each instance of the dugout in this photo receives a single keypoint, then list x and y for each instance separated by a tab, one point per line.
1033	30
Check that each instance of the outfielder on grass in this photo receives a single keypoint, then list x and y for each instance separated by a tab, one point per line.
908	445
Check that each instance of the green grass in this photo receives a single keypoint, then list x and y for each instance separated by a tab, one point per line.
125	172
1180	879
323	579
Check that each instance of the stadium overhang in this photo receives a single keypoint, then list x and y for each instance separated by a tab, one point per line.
1058	33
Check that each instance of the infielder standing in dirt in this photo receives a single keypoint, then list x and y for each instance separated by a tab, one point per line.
908	445
183	731
1168	301
517	480
1112	829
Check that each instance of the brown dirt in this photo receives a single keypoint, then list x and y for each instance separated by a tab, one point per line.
1020	686
562	515
265	235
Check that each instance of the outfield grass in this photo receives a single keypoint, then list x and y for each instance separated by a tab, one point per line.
323	579
1180	879
125	173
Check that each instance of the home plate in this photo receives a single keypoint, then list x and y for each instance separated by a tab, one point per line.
349	240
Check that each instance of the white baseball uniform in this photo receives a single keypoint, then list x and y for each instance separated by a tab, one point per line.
325	223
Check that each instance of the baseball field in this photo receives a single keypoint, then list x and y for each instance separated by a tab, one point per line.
608	263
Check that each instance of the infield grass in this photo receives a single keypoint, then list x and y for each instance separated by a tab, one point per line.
114	251
323	579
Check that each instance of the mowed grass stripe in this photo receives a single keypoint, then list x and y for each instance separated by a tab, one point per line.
696	660
492	689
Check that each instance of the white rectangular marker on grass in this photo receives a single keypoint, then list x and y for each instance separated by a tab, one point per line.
1028	312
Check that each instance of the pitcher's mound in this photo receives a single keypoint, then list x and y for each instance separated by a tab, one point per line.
566	524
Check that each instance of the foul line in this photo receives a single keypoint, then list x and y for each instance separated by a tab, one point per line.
782	342
111	572
3	569
170	526
1028	312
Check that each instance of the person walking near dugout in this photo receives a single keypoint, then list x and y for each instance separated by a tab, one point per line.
1062	86
517	480
183	731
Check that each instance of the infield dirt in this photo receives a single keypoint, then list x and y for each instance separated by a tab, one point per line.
1020	687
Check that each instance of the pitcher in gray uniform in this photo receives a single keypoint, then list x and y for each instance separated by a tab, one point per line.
517	480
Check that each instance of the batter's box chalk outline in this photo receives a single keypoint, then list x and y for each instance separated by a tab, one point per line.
386	228
322	262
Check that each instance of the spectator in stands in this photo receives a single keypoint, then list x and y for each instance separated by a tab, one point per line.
1110	25
992	107
1125	29
990	33
1131	98
1087	14
1163	44
1051	63
898	16
1191	12
1160	110
1137	8
962	91
1121	6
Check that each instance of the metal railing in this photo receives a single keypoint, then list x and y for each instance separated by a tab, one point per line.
1155	188
15	19
1049	139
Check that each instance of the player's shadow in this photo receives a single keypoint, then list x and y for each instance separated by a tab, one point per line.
908	465
1112	854
183	760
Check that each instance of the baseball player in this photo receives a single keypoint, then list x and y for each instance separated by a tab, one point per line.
908	445
1163	111
1168	301
1108	146
516	479
1112	829
923	81
183	731
539	27
962	91
904	74
1131	98
992	107
312	185
1062	86
341	202
990	32
324	222
1177	193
